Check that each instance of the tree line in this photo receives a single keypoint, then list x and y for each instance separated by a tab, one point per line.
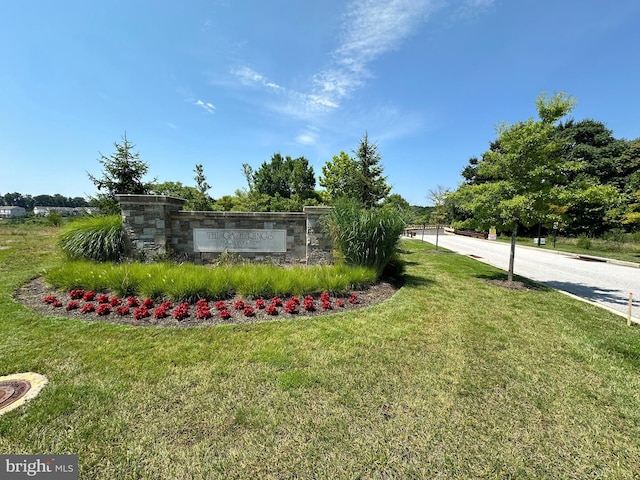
281	184
28	202
570	176
545	173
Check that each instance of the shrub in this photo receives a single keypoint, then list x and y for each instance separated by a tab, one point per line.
583	242
364	237
99	239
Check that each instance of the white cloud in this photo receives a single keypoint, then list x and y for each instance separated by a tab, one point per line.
306	139
250	77
309	136
369	29
207	106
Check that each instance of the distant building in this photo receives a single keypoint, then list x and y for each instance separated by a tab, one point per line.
64	211
12	212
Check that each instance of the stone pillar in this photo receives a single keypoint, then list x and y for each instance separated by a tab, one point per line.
147	221
319	245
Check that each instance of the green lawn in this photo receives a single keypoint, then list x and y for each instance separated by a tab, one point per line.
625	251
451	378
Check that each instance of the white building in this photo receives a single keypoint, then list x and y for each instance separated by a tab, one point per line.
64	211
12	212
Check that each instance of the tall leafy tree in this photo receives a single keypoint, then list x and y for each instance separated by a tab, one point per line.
203	201
524	175
438	197
359	178
339	177
285	177
123	172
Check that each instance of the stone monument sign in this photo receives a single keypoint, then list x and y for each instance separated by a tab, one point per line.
239	240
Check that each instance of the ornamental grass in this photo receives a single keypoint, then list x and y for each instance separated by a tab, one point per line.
364	237
99	239
188	283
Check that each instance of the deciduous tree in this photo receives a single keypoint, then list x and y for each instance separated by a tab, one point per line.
359	178
523	176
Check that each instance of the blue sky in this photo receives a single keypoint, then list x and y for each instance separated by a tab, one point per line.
225	82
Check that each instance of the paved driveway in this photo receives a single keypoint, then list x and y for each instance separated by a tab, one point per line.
607	284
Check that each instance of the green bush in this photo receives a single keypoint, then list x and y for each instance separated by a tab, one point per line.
99	239
583	242
367	238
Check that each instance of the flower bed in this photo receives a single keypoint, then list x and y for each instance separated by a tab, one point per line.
101	306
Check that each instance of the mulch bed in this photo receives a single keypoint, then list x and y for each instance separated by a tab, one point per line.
33	293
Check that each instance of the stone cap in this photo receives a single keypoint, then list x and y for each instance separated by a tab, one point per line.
318	210
221	214
155	199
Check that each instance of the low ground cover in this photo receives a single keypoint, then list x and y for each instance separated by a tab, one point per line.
452	377
627	250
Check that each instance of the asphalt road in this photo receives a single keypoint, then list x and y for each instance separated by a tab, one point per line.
607	284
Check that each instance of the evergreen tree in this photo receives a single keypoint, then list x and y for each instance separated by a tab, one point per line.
122	173
373	185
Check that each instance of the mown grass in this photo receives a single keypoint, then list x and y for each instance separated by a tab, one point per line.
628	251
187	282
451	378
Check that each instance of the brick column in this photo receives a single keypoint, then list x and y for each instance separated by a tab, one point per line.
147	221
319	245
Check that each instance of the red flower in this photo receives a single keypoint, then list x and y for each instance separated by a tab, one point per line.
72	305
140	313
309	304
103	309
115	301
88	307
181	311
326	305
340	302
260	304
353	298
202	309
148	302
161	312
238	304
324	296
57	304
49	299
291	306
76	294
295	299
277	301
271	309
224	313
248	312
89	296
122	310
133	302
221	305
103	298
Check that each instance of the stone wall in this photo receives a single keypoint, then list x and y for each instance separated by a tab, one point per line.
158	227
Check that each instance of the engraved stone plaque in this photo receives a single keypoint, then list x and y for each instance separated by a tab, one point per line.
239	240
